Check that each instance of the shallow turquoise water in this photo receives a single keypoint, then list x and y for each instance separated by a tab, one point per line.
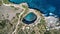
29	18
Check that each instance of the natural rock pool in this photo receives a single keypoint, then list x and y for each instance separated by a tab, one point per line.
29	18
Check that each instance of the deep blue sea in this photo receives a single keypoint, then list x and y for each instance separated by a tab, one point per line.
47	7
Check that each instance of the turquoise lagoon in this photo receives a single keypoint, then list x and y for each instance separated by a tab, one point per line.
29	18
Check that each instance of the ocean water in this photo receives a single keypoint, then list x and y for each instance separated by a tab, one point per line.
29	18
46	7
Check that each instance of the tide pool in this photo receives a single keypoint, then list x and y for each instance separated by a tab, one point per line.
46	7
29	18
